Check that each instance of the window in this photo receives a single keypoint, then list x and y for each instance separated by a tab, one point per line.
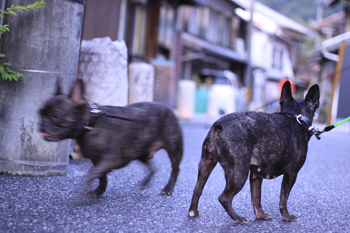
166	26
122	20
139	32
208	24
281	59
226	32
277	57
194	25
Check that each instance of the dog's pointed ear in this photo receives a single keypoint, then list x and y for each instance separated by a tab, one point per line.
313	97
77	92
286	94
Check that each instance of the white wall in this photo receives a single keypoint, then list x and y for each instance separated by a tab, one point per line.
262	55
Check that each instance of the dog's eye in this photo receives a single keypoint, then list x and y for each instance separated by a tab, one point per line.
55	115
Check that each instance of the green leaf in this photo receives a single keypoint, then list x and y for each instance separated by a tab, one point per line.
2	55
22	8
2	70
10	71
12	12
6	64
14	76
20	75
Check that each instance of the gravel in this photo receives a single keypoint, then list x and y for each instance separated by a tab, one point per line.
320	198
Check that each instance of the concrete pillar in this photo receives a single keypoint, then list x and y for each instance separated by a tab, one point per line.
43	44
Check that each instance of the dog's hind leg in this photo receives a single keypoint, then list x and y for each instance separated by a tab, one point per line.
255	189
236	176
175	155
205	167
287	184
151	171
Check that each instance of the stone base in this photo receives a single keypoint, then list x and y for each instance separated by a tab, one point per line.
33	168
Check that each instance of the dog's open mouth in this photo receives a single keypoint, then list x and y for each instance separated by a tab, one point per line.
50	137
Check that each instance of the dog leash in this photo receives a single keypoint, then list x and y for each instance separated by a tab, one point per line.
330	127
311	129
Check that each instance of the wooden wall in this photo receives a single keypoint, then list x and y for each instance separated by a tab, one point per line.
101	19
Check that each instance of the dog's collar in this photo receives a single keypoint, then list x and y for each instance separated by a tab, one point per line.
307	124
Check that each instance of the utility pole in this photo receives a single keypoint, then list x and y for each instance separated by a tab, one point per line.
346	8
248	74
319	17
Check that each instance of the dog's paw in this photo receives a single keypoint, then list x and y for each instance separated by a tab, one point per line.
193	213
241	220
264	217
95	193
166	192
141	186
289	218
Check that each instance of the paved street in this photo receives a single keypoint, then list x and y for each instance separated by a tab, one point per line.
320	198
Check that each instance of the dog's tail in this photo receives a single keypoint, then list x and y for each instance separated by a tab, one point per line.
212	145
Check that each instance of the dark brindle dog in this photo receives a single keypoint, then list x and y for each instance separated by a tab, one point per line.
113	136
267	145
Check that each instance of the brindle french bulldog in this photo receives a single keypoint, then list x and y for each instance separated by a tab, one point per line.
113	136
267	145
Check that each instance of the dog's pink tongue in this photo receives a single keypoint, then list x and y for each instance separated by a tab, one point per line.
44	134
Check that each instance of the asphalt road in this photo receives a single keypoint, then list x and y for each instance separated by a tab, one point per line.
320	198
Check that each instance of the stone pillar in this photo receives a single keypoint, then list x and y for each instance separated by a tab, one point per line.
141	80
43	44
103	66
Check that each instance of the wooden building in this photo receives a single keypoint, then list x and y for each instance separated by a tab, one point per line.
179	37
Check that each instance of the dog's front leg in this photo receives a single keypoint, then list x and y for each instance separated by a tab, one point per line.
287	184
101	188
255	190
100	171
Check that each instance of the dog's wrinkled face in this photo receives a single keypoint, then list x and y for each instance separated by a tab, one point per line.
306	107
61	116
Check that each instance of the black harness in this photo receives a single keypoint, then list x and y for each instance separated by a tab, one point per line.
97	113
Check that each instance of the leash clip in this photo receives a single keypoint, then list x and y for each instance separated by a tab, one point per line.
94	108
298	118
95	111
95	114
310	128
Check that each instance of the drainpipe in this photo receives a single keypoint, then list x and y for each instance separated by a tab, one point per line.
335	40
